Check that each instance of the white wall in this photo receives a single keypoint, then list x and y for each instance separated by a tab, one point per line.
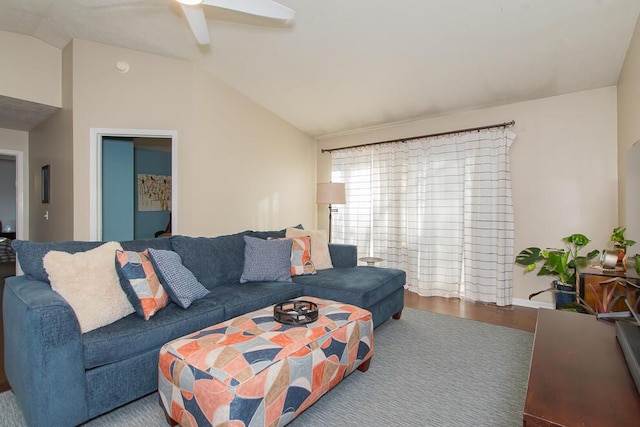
563	164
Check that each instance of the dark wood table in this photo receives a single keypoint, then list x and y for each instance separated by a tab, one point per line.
578	374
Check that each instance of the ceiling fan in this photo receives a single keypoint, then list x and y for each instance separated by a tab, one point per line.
194	13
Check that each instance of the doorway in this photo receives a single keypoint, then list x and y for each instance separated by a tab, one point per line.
12	217
7	196
12	198
136	188
145	140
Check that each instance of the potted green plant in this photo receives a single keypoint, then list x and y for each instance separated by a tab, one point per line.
620	242
560	263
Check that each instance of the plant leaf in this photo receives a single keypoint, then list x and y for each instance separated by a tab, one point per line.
544	271
558	261
540	292
584	305
579	240
600	307
529	256
591	255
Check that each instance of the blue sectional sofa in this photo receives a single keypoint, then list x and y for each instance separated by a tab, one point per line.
61	377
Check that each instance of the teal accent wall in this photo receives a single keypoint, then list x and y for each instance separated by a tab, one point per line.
146	223
117	190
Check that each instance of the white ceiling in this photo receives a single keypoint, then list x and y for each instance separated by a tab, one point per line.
351	64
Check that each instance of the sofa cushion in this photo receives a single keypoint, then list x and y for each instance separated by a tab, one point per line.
142	244
301	263
343	255
213	260
265	234
30	254
140	282
132	336
319	246
276	234
266	260
217	260
89	283
361	286
181	285
240	298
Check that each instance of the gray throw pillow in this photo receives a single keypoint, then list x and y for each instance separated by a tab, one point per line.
266	260
181	285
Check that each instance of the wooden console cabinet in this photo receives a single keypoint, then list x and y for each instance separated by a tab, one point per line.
578	374
594	276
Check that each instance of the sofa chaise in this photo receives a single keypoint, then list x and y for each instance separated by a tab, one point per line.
63	377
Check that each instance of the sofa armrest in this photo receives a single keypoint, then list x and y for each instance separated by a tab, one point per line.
43	353
343	255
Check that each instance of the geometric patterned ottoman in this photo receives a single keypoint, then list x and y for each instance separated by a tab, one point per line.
254	371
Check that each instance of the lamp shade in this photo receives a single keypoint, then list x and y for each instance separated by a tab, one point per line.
331	193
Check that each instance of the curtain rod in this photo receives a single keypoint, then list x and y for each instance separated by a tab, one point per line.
498	125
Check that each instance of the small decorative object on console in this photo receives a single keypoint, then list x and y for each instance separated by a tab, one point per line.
609	259
298	312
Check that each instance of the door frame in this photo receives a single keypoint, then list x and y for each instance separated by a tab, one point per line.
19	159
95	172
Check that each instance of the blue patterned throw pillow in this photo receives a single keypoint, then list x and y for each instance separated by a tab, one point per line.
266	260
181	285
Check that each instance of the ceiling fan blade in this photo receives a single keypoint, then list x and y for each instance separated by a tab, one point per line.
263	8
197	22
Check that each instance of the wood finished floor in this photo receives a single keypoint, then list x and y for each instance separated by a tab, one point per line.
516	317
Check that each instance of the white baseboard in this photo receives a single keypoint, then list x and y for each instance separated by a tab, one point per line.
533	304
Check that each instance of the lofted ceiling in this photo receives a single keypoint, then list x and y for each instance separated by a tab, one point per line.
344	65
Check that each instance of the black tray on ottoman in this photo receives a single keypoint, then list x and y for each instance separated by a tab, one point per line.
295	312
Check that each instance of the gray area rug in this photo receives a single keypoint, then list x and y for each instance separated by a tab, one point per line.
427	370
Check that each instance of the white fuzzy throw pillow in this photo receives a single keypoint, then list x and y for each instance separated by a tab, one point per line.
89	282
319	246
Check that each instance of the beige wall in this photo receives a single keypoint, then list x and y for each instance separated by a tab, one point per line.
244	167
155	94
51	143
628	117
563	165
18	141
38	67
239	166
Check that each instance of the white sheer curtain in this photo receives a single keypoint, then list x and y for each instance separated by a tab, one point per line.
439	208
